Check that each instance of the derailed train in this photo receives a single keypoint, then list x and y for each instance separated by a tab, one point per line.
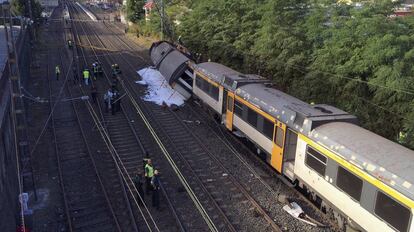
361	179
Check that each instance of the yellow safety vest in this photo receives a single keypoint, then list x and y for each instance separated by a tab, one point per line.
86	74
149	170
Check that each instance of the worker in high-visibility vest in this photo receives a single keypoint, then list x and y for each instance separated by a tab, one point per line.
149	173
155	182
95	67
86	76
57	71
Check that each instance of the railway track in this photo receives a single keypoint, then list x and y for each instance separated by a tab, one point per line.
193	152
198	175
87	206
263	182
237	156
93	192
253	183
129	149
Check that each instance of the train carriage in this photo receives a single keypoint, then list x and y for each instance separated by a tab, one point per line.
273	119
362	180
214	82
173	65
359	173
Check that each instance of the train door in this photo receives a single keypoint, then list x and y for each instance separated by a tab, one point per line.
229	111
224	103
278	146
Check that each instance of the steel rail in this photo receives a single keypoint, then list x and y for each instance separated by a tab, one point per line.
274	226
67	211
211	224
228	144
61	182
143	150
217	206
110	145
104	127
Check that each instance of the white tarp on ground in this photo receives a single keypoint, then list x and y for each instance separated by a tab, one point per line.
158	90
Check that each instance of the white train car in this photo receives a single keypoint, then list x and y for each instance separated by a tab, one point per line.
359	174
362	180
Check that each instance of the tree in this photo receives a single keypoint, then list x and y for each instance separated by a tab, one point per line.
355	57
364	66
135	11
19	7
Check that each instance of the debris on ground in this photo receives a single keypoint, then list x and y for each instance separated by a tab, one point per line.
297	212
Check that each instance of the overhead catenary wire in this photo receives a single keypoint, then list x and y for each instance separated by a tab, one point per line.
305	70
198	204
49	116
118	162
182	179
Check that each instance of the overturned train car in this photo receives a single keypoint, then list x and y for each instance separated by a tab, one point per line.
361	179
173	65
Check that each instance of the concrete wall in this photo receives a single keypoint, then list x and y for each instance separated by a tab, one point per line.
9	189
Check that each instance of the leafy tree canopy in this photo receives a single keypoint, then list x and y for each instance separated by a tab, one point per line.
355	57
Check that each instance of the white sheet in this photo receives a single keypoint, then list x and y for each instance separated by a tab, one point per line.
158	90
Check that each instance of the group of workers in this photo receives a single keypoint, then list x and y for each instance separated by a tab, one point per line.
112	98
152	184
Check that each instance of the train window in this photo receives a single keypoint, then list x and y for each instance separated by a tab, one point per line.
279	136
349	183
268	128
316	160
206	86
238	108
199	82
230	104
214	92
252	117
392	212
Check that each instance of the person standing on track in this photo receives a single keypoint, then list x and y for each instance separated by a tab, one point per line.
75	75
57	71
95	67
149	173
138	182
94	94
114	100
155	182
86	76
108	100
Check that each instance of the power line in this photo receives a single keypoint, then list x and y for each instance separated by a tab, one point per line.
305	70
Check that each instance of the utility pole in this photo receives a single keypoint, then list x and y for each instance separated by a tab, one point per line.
162	19
32	26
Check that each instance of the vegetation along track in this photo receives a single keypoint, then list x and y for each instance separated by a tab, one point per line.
261	181
254	188
236	153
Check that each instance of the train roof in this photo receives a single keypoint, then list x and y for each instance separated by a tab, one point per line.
387	161
216	71
229	78
298	115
